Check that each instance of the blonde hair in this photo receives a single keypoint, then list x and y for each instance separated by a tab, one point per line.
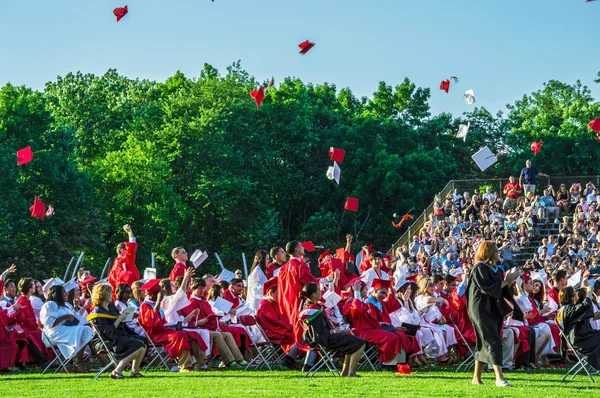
100	293
136	292
423	285
487	252
176	251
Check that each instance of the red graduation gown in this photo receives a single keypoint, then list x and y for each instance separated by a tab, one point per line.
242	340
173	341
177	271
391	304
124	269
232	298
271	268
366	326
291	279
25	317
537	319
275	324
8	347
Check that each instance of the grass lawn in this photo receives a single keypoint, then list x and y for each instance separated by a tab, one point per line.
221	383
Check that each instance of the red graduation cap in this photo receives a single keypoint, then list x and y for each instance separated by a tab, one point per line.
120	12
152	286
536	147
445	85
353	281
305	46
24	156
595	125
270	284
308	246
84	283
351	204
412	278
336	263
343	255
381	284
404	218
258	95
324	255
370	249
38	209
337	155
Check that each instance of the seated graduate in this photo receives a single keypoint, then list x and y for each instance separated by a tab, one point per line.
9	348
175	297
276	325
37	299
76	302
363	319
233	294
137	294
319	331
127	346
200	314
573	317
24	320
63	329
124	269
178	343
124	292
375	271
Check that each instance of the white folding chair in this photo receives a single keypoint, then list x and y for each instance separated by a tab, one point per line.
104	350
58	356
325	359
581	364
267	352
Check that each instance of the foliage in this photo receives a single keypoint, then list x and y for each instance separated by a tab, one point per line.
193	162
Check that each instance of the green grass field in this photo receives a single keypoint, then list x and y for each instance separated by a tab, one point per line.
424	383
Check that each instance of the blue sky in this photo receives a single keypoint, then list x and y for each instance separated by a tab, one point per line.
501	49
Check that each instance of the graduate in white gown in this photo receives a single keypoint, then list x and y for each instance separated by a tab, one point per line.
62	328
257	279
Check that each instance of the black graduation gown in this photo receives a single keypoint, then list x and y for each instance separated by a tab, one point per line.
487	308
121	340
575	321
319	331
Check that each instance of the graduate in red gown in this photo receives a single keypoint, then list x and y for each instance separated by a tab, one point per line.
293	276
180	256
279	258
456	313
213	323
124	269
233	294
179	344
276	325
9	349
25	322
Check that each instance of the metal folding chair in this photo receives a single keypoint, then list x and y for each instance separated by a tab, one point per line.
156	353
370	356
268	352
468	363
325	359
103	350
58	356
582	363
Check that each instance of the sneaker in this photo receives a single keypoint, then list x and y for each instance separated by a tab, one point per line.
289	362
235	366
222	364
243	362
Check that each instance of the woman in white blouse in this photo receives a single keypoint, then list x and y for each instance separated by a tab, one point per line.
37	299
62	327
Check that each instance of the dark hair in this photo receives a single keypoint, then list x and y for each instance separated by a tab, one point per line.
197	282
374	255
539	296
291	247
275	250
260	260
57	294
121	288
235	281
35	292
25	285
166	284
178	282
448	278
414	289
566	295
214	292
582	295
223	284
558	275
8	282
71	295
308	290
438	278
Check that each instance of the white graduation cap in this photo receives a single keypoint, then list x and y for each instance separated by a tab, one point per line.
198	257
484	158
575	279
333	172
470	96
463	131
225	275
331	299
51	282
540	276
70	286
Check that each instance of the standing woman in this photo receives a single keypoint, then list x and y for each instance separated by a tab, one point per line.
487	308
257	279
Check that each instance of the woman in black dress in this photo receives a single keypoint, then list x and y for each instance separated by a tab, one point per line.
574	319
320	331
127	346
486	306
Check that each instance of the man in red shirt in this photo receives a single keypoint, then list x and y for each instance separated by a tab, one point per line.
180	256
279	258
512	191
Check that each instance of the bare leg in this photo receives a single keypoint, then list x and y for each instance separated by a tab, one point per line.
345	366
477	372
499	376
354	358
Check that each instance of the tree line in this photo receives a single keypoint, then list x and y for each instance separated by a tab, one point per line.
192	162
